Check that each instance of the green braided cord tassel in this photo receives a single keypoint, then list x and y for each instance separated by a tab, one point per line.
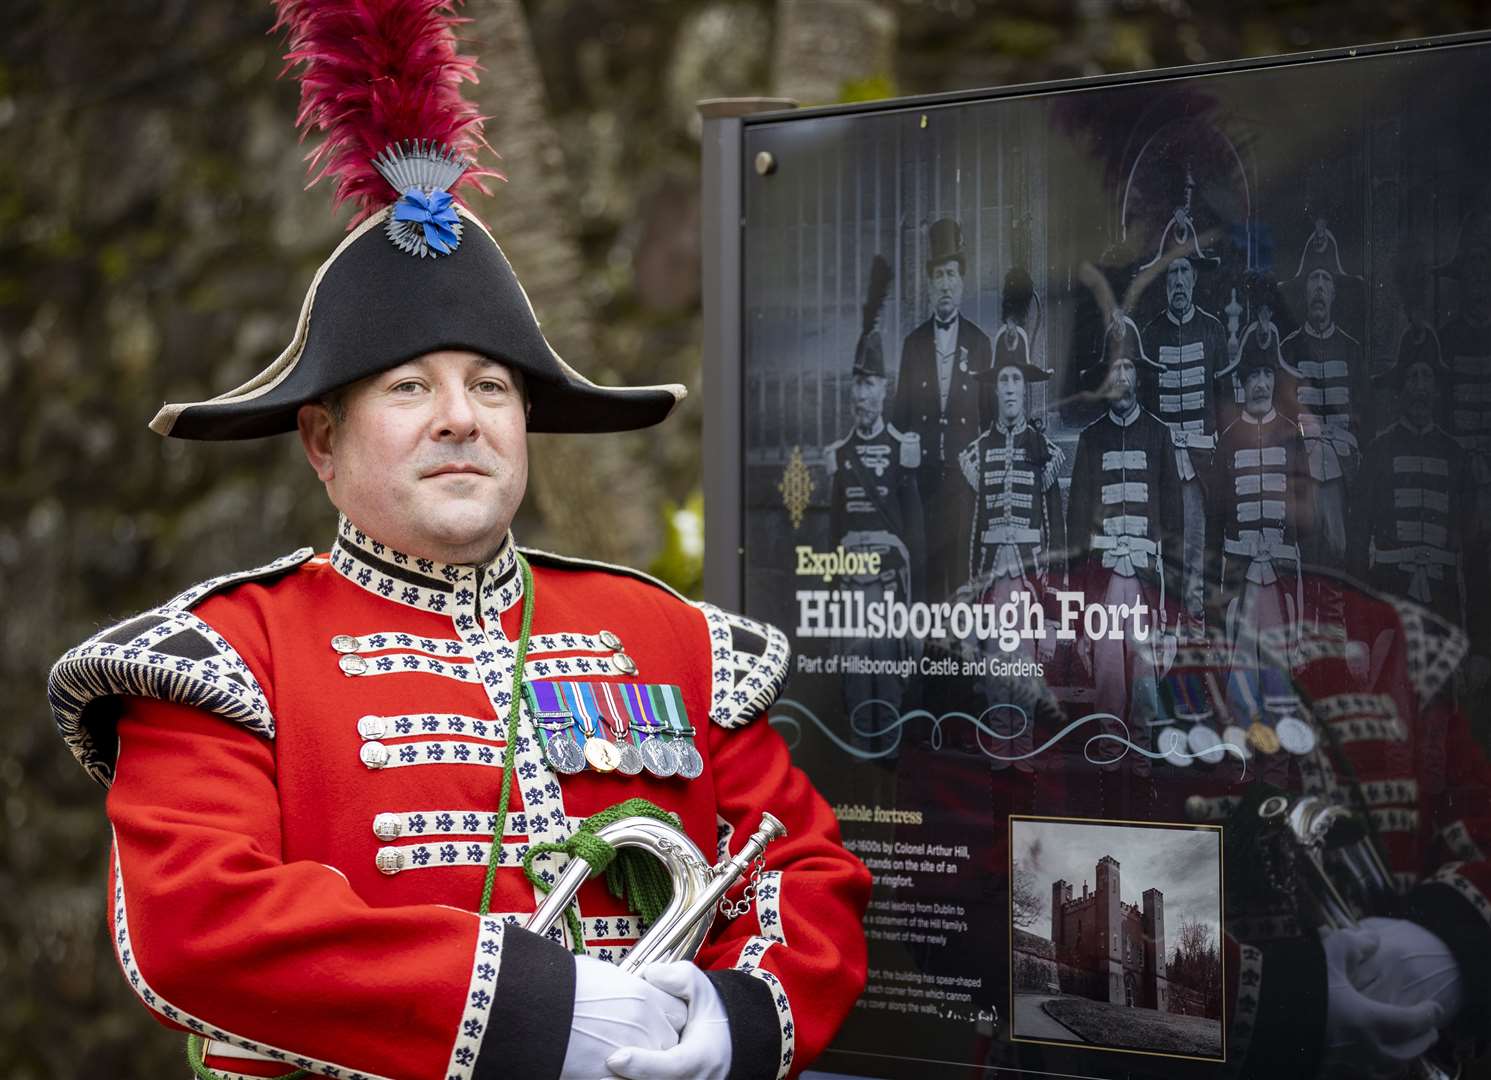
631	874
510	755
195	1046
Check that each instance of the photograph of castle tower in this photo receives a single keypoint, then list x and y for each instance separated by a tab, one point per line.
1116	935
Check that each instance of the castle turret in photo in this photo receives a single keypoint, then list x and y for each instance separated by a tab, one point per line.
1107	949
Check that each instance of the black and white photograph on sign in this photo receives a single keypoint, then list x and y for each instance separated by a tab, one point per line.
1118	456
1116	936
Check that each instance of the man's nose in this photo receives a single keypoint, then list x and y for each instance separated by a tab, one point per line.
454	418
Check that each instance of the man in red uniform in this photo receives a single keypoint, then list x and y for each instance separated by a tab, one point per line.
324	773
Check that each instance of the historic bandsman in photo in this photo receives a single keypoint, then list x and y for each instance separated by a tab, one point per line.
1258	509
1124	523
1323	384
941	401
875	509
1413	512
1018	541
1189	345
1465	337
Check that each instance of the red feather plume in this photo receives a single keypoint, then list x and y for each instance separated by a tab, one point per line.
374	72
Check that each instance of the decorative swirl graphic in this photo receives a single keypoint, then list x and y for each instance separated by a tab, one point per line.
787	716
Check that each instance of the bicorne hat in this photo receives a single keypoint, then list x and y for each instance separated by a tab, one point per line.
1012	349
419	272
1474	239
1120	340
944	242
1417	345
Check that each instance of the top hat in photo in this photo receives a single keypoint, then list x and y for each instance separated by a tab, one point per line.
419	272
1012	350
1417	345
1472	241
944	242
869	351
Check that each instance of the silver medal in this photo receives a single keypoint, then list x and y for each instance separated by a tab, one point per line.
1295	735
1206	744
1238	737
1172	747
564	753
690	764
631	758
659	757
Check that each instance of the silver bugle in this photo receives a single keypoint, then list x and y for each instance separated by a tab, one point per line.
697	886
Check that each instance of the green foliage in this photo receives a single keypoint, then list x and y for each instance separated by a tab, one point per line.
870	88
681	562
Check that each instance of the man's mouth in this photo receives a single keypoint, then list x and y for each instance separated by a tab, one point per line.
462	469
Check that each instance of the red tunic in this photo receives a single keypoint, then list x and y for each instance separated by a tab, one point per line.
308	767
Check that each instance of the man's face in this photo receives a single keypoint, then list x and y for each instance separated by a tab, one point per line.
1418	391
1180	285
1122	380
1259	390
1320	296
1010	389
867	397
430	457
947	288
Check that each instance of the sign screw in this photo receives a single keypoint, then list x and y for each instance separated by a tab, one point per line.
766	163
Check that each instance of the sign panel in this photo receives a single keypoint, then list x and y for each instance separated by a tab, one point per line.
1115	457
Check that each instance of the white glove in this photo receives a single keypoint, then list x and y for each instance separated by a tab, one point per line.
703	1050
1365	1037
1411	965
615	1009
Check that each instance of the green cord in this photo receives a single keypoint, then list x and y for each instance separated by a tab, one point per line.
194	1049
632	874
195	1043
510	755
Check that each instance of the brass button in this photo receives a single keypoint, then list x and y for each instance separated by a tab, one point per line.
610	640
624	664
390	860
388	826
345	643
372	727
374	755
352	664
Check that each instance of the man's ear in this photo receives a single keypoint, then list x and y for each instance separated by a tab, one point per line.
315	425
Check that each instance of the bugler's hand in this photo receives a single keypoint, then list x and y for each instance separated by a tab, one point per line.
615	1009
703	1050
1363	1036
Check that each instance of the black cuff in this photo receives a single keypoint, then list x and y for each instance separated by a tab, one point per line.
755	1036
1290	1032
533	1008
1452	918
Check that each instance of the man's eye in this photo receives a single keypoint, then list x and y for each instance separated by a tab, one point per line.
490	386
408	386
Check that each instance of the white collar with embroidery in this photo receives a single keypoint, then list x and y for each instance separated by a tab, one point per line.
1007	429
1190	314
1125	421
444	588
1323	335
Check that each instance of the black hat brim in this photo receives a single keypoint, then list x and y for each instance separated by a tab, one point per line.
373	307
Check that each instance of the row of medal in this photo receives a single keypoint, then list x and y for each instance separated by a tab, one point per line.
1189	699
614	727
